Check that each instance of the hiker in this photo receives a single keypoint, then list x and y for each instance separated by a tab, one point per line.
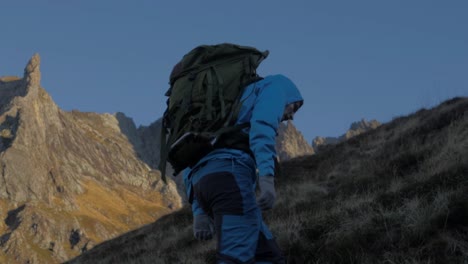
221	184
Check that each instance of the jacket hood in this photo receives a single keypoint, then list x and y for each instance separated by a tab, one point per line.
291	92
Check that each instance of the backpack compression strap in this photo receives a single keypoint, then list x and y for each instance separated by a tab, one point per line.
163	153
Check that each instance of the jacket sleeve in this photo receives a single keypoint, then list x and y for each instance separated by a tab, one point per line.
266	115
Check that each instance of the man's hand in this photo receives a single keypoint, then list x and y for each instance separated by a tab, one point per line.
267	192
203	228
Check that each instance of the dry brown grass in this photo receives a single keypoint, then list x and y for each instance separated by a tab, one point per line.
113	209
398	194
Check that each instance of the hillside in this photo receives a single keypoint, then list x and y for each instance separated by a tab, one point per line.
396	194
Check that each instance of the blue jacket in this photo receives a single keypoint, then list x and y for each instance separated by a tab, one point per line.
263	105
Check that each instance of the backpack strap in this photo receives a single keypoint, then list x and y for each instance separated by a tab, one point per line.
163	152
209	96
220	83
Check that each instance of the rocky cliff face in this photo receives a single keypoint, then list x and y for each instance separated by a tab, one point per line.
69	180
355	129
145	139
290	143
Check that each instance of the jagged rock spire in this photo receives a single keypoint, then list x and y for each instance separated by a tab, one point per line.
32	74
290	142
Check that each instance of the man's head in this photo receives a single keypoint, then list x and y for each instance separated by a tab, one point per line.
290	110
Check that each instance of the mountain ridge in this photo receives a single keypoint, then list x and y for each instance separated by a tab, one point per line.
356	128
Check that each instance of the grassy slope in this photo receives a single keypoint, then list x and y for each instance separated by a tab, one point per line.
397	194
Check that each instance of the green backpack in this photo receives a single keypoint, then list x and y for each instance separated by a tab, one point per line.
204	101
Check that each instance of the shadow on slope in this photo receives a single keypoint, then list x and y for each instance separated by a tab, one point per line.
8	127
397	194
145	139
10	88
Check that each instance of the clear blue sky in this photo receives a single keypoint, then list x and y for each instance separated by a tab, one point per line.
371	59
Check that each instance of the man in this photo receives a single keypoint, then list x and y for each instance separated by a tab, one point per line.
223	182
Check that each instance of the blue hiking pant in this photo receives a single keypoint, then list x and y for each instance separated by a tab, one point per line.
225	189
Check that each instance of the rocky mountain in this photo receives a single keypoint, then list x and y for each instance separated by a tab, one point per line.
396	194
355	129
70	180
290	143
